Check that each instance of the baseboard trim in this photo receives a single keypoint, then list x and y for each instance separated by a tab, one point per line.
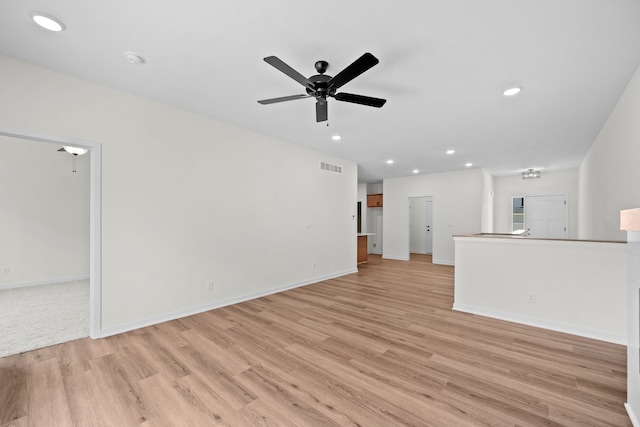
43	282
553	326
632	416
397	258
127	327
442	262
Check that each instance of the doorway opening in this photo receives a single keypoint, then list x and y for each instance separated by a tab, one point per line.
544	217
95	209
421	226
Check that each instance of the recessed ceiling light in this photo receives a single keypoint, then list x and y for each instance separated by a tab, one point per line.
416	170
512	91
336	137
451	151
389	161
48	22
468	164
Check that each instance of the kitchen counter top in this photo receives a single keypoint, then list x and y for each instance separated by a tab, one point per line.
524	237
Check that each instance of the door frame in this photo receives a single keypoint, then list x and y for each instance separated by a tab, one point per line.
525	197
95	217
408	229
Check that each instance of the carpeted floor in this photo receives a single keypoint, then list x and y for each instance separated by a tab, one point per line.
40	316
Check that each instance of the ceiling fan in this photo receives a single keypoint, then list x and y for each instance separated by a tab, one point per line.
321	86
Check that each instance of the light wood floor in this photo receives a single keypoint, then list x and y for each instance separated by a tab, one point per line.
378	348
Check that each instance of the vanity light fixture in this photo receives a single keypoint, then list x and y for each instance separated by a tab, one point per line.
48	22
512	91
531	174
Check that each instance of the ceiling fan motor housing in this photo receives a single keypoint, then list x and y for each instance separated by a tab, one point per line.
322	89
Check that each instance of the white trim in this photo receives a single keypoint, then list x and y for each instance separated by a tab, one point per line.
553	326
44	282
634	419
126	327
95	244
397	258
442	262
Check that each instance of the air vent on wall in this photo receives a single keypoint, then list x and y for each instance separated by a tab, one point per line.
331	168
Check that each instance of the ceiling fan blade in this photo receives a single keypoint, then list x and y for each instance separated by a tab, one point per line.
280	65
358	67
282	99
360	99
321	111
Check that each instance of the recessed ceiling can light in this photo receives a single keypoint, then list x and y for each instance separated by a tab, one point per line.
336	137
389	162
451	151
48	22
468	164
512	91
416	171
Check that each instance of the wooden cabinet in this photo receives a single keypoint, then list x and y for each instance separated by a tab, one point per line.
362	249
374	200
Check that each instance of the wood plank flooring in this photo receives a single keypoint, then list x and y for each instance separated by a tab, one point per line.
378	348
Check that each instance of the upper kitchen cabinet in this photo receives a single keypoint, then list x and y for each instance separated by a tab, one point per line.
374	200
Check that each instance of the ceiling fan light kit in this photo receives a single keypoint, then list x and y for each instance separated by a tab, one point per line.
322	86
75	152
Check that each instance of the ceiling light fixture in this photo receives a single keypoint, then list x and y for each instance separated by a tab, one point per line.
336	137
48	22
75	151
389	162
531	174
451	151
416	171
468	164
512	91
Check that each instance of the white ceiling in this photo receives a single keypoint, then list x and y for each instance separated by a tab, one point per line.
443	67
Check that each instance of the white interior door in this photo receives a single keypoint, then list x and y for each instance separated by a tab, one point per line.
429	213
418	225
546	216
374	223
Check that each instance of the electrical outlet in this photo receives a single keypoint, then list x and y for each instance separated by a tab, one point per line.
5	270
531	297
210	285
374	245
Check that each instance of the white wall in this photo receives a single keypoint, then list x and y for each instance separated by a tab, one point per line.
187	199
579	287
487	202
375	217
44	214
610	171
457	209
549	184
362	198
633	316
